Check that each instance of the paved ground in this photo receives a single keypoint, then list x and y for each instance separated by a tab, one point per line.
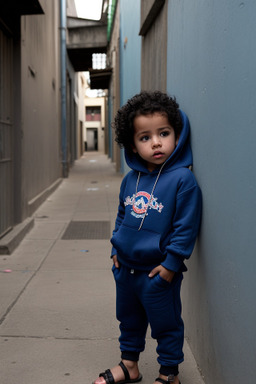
57	300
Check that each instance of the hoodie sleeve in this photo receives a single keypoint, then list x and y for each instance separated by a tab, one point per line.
120	213
185	226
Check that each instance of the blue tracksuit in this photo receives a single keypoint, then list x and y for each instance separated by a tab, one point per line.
157	223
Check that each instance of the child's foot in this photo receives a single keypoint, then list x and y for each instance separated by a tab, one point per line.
164	378
118	373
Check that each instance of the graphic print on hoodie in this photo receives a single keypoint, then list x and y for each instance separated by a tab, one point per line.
159	212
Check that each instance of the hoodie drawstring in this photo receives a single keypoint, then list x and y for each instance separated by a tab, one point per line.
151	195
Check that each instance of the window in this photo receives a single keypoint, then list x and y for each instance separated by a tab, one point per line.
99	60
93	113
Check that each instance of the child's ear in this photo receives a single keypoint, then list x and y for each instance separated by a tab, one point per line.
134	149
177	140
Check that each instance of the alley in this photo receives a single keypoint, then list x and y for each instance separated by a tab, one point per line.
57	302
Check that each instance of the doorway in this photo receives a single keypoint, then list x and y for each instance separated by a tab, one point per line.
92	139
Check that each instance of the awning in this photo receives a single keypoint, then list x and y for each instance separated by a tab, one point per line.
12	10
100	78
18	7
81	58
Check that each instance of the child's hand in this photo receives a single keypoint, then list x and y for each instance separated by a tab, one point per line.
166	274
115	261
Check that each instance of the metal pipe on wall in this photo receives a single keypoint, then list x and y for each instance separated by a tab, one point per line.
63	26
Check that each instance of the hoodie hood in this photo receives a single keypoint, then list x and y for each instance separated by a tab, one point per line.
181	157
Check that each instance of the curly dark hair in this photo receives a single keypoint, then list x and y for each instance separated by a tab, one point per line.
145	103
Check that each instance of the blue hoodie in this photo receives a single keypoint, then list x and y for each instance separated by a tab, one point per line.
159	212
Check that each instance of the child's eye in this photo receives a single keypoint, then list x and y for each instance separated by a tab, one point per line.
165	133
144	138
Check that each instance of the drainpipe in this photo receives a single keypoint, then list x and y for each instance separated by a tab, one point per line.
63	22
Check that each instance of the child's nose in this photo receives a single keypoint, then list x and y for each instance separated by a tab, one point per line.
156	142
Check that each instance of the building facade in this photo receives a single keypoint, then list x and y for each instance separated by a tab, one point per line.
31	134
211	70
203	54
94	127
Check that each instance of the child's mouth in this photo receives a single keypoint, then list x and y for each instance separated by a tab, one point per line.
158	155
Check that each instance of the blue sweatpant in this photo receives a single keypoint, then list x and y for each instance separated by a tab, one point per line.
140	301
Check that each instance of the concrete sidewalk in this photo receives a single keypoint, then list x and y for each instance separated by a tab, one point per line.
57	301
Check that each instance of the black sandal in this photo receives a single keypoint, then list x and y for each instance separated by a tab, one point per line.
108	377
163	381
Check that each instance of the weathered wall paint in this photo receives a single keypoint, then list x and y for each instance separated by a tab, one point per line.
40	101
211	70
130	53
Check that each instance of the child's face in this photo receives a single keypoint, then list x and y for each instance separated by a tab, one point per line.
154	139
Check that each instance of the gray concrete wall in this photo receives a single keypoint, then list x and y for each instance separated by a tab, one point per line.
211	70
40	102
